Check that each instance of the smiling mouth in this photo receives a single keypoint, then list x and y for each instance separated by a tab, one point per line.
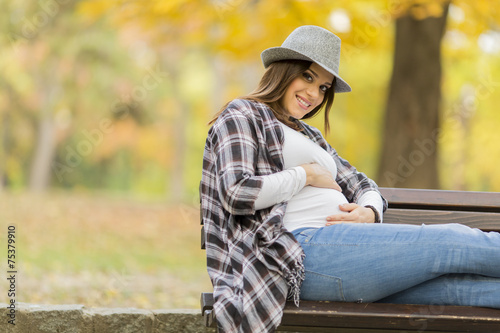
303	103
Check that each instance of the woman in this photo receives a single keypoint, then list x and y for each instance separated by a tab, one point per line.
275	196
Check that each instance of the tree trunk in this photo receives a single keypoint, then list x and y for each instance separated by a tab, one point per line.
410	151
171	60
44	154
45	146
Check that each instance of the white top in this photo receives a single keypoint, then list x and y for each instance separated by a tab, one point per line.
308	206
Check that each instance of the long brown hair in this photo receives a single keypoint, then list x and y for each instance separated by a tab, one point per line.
273	85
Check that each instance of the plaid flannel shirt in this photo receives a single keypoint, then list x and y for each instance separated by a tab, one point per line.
254	263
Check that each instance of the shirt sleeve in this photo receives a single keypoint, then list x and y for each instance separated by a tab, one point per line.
235	146
280	187
372	198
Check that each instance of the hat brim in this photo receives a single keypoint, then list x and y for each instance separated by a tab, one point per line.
274	54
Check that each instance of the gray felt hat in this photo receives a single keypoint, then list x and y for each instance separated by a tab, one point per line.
310	43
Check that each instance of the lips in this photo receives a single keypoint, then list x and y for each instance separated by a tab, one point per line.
303	103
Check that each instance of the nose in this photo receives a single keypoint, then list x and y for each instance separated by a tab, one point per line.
313	91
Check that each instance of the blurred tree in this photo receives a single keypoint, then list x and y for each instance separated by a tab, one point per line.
58	75
412	127
409	148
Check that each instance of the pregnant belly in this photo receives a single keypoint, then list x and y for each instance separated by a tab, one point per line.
311	206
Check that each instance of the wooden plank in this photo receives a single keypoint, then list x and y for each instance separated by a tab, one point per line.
208	315
323	316
392	316
483	221
290	329
439	199
202	237
206	302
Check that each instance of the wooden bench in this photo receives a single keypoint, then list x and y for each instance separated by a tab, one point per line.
411	206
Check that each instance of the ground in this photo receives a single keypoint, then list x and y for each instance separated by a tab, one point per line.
104	251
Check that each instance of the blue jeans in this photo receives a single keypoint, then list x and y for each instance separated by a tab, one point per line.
448	264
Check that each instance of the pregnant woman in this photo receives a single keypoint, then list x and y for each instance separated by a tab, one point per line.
286	217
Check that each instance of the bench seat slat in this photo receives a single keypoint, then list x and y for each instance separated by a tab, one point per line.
483	221
391	316
289	329
322	316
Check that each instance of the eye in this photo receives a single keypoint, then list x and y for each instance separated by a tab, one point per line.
307	76
323	88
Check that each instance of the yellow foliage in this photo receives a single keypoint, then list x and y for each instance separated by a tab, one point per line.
96	8
170	7
242	27
427	9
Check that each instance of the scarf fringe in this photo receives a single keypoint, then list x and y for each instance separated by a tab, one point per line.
294	278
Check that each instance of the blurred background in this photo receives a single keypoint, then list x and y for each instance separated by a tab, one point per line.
104	107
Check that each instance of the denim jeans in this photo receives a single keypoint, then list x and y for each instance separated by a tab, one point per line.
448	264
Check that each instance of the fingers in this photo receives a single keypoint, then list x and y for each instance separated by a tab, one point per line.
320	176
350	216
348	207
339	218
354	214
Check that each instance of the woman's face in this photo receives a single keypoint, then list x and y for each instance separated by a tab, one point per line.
307	91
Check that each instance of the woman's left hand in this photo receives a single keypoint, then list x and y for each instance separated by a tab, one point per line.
354	214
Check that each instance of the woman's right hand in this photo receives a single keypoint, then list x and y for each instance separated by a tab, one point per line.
319	176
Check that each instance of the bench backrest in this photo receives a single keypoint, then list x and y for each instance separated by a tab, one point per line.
413	206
